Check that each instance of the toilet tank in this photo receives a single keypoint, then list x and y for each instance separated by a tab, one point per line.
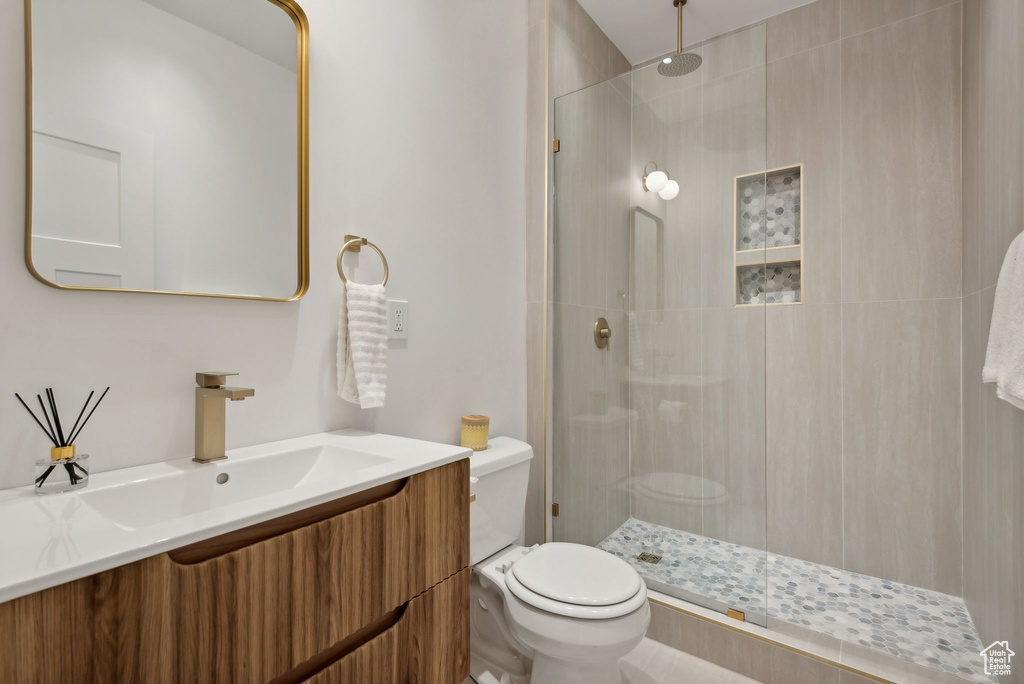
501	474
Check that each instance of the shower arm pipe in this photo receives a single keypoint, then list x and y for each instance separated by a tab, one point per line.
679	25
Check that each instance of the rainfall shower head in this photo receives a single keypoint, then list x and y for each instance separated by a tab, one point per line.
680	63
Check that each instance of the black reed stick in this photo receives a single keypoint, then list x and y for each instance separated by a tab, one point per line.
38	422
42	478
56	416
53	435
82	412
75	436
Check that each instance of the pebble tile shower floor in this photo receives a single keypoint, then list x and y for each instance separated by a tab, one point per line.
924	627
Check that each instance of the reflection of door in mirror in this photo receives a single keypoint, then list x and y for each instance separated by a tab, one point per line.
96	227
163	146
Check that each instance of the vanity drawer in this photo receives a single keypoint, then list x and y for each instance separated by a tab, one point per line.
429	643
326	580
234	609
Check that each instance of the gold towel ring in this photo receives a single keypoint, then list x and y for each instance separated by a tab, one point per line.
354	242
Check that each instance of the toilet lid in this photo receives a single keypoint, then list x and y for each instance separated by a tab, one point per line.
577	574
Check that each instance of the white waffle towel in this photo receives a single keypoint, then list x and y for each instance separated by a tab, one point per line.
363	345
1004	359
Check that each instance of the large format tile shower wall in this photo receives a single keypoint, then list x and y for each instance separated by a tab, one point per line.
993	179
863	428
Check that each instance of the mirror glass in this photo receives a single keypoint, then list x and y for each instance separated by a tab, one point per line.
166	149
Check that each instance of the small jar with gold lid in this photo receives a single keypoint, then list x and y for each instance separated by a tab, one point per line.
474	431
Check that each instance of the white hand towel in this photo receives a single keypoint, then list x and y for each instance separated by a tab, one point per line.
1004	359
363	345
346	373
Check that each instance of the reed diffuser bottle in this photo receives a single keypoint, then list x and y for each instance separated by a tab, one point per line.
64	470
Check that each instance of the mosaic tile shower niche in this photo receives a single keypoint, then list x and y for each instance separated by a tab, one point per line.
769	220
768	283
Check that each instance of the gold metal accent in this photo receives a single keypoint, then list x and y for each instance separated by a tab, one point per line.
799	169
291	7
352	243
602	333
554	510
555	145
472	497
773	642
643	181
59	453
210	396
679	25
651	558
357	248
736	614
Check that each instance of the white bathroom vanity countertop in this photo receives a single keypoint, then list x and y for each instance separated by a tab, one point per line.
130	514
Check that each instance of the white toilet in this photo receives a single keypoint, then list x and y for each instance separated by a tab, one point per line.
551	614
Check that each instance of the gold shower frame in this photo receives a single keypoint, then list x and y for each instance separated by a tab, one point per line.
293	10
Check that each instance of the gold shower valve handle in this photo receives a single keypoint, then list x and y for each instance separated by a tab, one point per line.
602	333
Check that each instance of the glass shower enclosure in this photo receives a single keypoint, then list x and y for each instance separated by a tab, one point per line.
658	321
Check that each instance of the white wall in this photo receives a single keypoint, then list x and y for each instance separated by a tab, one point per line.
433	92
222	122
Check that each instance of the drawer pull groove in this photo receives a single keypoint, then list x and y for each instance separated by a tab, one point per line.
321	661
232	541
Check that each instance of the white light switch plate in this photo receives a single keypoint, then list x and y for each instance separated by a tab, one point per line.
398	319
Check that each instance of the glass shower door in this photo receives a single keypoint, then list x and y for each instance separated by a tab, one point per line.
590	398
659	438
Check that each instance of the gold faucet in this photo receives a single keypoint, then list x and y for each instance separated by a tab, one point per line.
210	396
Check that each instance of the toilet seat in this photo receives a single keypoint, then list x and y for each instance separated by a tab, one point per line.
576	581
577	574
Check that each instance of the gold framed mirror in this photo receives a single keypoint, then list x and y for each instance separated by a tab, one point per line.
165	151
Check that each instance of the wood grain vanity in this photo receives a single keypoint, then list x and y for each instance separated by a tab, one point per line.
369	588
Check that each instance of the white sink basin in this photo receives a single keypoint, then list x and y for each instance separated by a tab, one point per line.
130	514
216	485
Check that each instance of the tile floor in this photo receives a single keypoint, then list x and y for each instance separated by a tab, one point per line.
924	627
655	663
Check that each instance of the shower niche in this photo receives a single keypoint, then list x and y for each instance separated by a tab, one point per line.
769	235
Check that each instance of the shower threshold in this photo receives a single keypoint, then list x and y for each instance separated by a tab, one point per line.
921	626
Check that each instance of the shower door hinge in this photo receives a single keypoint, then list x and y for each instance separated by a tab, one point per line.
554	510
736	614
555	144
